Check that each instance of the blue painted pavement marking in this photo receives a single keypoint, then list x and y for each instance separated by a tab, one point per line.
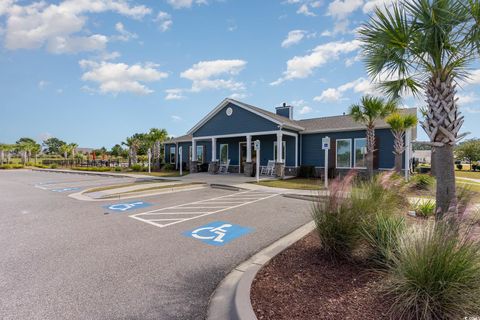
126	206
65	189
218	233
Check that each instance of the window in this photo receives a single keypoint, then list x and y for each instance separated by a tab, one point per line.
200	154
360	160
172	155
284	150
223	153
344	153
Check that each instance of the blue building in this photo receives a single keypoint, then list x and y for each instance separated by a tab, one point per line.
227	133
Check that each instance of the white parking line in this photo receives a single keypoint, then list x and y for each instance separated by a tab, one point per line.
148	215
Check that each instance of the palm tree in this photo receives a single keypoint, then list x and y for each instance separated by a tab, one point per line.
64	149
133	143
368	112
72	148
399	124
428	45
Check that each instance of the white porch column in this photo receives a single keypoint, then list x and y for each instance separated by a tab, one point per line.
296	150
194	150
176	156
214	149
249	148
279	146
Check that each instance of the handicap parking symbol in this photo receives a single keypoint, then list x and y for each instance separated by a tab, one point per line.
65	189
218	233
122	207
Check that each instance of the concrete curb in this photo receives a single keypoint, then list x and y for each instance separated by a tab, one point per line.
231	299
105	174
226	187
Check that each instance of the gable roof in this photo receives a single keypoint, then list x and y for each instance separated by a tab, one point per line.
184	138
305	126
275	118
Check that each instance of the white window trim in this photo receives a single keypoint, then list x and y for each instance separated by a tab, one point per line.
173	159
355	153
203	153
336	153
220	152
284	150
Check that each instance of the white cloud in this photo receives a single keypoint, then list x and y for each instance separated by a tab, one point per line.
341	9
238	95
306	6
474	77
305	11
174	94
293	37
124	34
120	77
176	118
468	98
205	75
60	27
180	4
303	66
370	5
470	110
42	84
360	85
164	21
305	110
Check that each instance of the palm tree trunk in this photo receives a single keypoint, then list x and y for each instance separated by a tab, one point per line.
370	149
399	148
2	155
442	123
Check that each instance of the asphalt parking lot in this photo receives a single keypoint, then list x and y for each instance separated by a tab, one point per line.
157	257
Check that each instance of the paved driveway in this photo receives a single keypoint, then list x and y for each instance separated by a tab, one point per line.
63	258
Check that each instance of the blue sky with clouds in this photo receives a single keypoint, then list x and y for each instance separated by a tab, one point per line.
96	71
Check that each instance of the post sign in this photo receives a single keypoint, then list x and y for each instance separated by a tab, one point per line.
256	145
326	143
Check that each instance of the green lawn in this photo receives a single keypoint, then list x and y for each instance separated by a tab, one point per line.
166	174
294	183
467	174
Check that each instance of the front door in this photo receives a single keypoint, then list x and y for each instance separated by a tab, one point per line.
243	155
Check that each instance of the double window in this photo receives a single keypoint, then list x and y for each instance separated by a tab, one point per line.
344	153
284	148
223	153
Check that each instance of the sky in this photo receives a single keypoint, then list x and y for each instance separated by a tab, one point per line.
96	71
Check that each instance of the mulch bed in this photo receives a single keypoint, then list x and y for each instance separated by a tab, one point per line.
301	283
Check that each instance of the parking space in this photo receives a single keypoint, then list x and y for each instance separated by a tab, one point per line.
165	217
62	258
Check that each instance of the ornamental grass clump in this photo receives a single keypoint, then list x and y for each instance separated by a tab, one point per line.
337	225
435	273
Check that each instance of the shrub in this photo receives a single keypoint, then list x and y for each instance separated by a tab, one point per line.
474	167
424	209
306	172
435	274
422	182
95	169
168	167
53	166
11	166
459	166
382	236
136	167
118	169
337	225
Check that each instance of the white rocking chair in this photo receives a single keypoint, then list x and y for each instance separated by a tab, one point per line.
269	169
223	168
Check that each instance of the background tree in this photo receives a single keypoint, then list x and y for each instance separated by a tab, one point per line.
399	124
73	148
27	147
428	45
52	145
133	143
367	112
468	150
117	151
64	149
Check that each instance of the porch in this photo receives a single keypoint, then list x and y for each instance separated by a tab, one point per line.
237	153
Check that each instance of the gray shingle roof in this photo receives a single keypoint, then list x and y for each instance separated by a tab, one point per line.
185	138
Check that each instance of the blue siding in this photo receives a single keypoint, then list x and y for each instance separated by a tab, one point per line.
241	121
185	151
313	155
283	111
